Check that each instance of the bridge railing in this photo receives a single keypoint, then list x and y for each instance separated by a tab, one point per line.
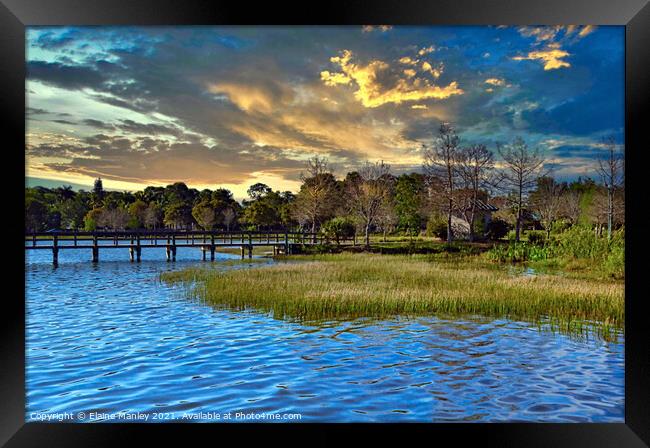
194	237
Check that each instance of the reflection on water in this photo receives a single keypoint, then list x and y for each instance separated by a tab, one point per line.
111	338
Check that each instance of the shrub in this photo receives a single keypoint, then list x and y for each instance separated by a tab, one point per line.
537	237
497	229
337	229
437	226
582	242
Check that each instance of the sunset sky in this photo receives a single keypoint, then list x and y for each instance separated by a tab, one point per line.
231	106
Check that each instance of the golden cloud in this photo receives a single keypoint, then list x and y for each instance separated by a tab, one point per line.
495	81
372	93
552	58
408	61
246	97
426	50
435	71
410	73
588	29
332	79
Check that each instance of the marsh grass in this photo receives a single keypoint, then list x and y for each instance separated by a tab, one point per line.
369	285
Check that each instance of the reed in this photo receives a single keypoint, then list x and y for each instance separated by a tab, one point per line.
369	285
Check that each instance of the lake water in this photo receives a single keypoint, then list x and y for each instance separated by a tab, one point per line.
110	341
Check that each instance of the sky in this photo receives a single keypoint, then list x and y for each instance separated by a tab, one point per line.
232	106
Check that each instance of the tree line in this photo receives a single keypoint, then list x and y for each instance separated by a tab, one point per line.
454	181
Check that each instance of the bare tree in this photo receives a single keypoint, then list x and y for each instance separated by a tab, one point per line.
440	168
546	201
570	205
367	193
522	167
599	210
475	165
152	216
387	217
114	218
229	216
318	194
611	171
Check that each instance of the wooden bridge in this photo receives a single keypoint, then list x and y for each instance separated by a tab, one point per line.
137	240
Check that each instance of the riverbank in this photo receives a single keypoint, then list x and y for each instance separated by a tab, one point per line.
350	285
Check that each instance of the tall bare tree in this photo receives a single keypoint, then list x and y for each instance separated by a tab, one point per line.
440	167
522	167
152	216
571	208
229	216
367	194
611	171
318	194
475	166
114	218
546	201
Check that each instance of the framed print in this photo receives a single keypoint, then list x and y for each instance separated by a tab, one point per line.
405	218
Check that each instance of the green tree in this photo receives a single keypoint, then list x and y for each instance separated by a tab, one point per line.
36	215
73	212
409	195
258	190
91	219
178	215
97	196
205	215
137	212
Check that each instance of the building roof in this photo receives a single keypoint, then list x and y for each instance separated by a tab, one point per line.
484	206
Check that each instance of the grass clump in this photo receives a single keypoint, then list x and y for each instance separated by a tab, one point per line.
369	285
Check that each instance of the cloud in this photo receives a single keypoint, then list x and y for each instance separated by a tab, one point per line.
65	76
553	39
377	84
495	81
552	58
557	33
408	61
146	160
586	30
236	104
381	28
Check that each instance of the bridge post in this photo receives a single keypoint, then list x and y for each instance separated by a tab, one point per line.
138	249
242	251
95	258
168	252
55	250
173	247
212	247
250	251
131	254
286	242
203	252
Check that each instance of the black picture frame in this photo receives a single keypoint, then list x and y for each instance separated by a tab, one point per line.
634	14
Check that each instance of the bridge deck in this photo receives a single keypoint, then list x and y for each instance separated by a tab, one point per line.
136	240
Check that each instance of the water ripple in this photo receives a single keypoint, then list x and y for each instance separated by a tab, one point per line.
111	338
